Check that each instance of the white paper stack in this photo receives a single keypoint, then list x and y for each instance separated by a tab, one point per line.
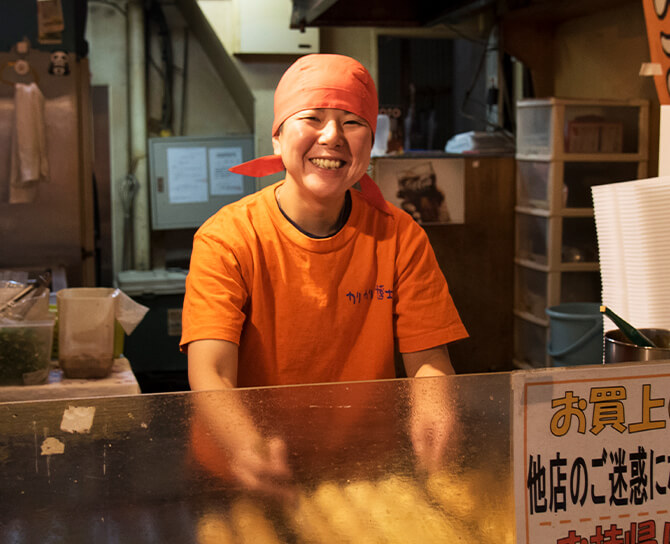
633	226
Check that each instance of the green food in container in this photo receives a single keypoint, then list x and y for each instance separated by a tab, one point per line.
25	352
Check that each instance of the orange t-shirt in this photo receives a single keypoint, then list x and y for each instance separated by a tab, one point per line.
306	310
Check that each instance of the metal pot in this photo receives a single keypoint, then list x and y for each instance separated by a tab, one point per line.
618	348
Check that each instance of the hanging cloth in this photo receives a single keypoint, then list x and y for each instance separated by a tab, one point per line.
29	165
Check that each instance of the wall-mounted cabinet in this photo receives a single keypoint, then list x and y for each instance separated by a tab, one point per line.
263	27
565	147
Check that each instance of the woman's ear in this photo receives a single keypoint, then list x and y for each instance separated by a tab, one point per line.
276	145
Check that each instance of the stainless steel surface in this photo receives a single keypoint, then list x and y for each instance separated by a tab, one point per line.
618	348
144	472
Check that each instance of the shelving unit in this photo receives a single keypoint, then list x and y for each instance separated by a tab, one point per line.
565	147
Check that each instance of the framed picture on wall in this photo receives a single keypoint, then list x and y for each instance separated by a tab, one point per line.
432	190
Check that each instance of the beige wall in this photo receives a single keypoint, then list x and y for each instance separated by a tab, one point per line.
595	56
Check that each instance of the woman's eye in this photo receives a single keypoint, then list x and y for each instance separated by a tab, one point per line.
353	122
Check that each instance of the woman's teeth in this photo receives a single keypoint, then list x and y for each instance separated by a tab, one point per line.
329	164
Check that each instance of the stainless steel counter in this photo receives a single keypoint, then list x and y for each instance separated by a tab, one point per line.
156	468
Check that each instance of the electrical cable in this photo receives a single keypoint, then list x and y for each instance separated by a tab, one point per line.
129	189
463	35
182	120
468	99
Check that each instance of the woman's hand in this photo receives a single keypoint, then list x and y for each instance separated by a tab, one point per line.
262	467
225	439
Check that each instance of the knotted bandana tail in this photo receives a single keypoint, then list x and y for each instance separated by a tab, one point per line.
373	194
262	166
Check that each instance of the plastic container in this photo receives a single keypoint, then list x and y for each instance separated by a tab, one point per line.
86	332
533	183
119	334
530	292
553	127
530	341
87	328
566	185
25	351
575	334
546	241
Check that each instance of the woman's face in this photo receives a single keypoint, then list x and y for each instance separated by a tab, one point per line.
325	151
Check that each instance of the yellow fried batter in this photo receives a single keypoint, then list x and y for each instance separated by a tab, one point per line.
250	524
309	523
344	519
213	528
416	521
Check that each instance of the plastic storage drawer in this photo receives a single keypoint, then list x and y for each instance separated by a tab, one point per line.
558	185
536	290
530	343
575	239
553	127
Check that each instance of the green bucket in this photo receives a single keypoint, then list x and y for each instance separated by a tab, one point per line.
575	334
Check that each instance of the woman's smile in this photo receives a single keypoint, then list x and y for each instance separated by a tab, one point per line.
328	164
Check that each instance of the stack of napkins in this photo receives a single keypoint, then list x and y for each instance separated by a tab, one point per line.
633	226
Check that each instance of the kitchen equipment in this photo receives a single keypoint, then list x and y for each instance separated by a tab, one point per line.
86	322
25	351
20	304
619	349
635	336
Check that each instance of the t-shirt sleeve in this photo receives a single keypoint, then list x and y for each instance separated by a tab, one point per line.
425	314
216	293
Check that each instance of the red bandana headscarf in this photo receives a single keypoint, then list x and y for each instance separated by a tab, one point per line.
322	81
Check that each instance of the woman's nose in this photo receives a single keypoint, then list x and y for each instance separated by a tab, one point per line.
331	133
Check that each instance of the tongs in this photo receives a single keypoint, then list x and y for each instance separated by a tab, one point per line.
25	298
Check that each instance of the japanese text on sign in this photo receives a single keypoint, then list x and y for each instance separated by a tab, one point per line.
592	455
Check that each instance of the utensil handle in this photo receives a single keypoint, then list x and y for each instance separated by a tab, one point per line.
633	334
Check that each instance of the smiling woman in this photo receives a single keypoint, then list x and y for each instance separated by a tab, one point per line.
374	268
311	280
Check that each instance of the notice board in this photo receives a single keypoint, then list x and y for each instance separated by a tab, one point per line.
190	180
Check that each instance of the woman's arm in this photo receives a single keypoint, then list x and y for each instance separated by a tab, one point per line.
429	362
254	461
212	364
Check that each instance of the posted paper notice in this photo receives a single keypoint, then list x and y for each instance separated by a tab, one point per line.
223	182
187	174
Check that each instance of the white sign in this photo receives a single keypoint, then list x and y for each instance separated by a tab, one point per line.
592	454
222	181
187	174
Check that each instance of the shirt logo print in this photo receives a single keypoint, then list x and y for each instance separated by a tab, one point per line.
378	293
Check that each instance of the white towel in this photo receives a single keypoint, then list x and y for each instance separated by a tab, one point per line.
29	165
